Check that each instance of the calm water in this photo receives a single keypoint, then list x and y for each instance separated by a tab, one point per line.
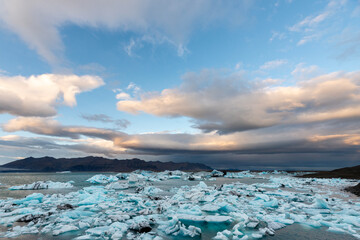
12	179
293	232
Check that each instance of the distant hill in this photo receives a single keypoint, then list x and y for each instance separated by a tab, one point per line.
348	172
99	164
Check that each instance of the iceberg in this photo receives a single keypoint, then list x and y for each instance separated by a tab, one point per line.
206	219
64	172
64	228
239	174
176	228
20	230
216	173
43	185
150	190
321	203
122	176
37	197
101	179
133	178
117	186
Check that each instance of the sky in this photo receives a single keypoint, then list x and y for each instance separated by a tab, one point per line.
232	84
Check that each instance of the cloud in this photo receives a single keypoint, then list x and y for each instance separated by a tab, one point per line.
121	123
228	103
123	95
3	72
308	38
129	48
303	72
132	86
21	147
277	35
97	118
273	64
305	144
312	27
51	127
38	22
310	21
40	95
348	42
154	39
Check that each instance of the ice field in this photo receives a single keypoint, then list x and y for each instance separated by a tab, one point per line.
178	205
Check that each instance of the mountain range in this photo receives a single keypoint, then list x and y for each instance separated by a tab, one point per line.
98	164
347	172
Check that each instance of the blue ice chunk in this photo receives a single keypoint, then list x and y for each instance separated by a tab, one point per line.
321	203
272	204
76	214
35	197
176	228
64	228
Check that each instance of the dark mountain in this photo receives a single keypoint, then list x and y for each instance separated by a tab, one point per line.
99	164
354	189
348	172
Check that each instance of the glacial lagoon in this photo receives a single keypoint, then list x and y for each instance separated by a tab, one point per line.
176	205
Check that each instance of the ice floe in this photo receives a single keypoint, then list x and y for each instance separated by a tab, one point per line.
117	186
43	185
101	179
64	172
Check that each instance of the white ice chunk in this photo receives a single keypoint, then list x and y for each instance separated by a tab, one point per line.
210	208
64	228
220	236
176	228
42	185
151	190
122	176
19	230
117	186
209	219
216	173
101	179
239	174
133	178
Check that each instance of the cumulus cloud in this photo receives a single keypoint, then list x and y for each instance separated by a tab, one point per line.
40	95
37	22
228	103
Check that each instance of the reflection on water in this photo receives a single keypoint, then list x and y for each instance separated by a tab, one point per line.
300	232
13	179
